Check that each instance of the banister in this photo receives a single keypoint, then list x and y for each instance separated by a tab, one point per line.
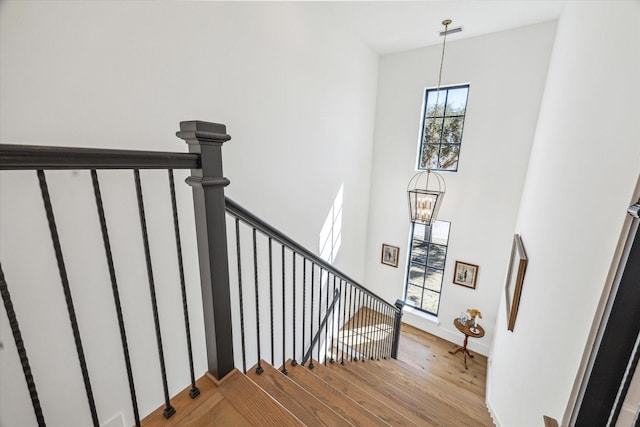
32	157
249	218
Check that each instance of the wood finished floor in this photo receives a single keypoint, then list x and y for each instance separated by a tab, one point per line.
429	358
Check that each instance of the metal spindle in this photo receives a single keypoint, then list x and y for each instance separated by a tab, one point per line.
341	323
67	294
320	313
366	321
326	323
22	352
168	409
390	334
241	302
333	323
116	294
284	329
194	392
372	329
294	362
358	316
351	321
311	365
304	303
271	299
259	369
378	330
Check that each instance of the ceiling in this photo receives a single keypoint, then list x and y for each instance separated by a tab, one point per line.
393	26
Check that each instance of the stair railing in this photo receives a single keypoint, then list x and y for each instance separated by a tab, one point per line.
321	308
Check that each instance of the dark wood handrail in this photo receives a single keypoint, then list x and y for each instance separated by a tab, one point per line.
251	219
32	157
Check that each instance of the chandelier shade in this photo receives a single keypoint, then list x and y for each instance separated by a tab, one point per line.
424	202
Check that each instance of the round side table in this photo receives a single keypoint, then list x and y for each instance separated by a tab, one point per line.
467	333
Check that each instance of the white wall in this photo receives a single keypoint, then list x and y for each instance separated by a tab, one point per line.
584	166
297	96
506	72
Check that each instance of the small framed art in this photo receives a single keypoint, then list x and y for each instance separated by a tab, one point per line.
465	274
390	255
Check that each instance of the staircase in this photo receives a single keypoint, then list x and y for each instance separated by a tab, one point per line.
370	393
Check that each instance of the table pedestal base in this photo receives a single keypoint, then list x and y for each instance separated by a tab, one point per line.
464	351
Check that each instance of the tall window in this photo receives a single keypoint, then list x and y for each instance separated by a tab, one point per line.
442	123
426	265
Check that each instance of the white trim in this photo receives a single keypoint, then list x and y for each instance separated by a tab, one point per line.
426	316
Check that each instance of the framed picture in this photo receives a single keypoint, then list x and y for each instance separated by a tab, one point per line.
390	255
465	274
515	277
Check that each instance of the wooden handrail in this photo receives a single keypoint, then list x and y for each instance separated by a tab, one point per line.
32	157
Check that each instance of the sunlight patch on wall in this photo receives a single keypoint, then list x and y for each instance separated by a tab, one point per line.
331	232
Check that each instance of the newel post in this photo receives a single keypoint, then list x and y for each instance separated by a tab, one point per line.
208	198
397	325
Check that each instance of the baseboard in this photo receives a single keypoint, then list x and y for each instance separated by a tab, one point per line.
487	393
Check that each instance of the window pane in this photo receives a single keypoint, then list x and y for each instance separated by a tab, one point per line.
414	295
416	274
419	252
419	232
440	232
432	131
433	280
432	96
452	132
437	254
430	301
449	156
430	156
457	101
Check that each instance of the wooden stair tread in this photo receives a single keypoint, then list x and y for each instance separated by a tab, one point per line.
296	399
384	409
419	399
216	411
254	404
339	402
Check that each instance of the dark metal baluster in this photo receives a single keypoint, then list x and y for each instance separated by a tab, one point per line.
67	294
378	322
259	369
271	299
391	315
168	409
373	331
326	323
294	362
116	294
304	303
333	323
376	343
366	321
360	322
320	313
194	392
284	329
311	365
341	323
239	260
22	352
351	319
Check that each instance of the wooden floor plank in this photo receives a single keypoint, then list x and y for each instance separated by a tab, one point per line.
382	409
305	406
341	403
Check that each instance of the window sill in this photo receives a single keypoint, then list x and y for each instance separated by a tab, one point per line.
421	314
